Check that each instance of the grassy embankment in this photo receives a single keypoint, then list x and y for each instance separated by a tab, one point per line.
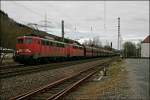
114	85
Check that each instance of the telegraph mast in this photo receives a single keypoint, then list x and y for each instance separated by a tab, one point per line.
62	28
91	29
118	33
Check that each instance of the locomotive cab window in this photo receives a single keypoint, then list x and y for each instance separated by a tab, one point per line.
20	41
47	43
43	42
51	43
28	40
62	45
38	41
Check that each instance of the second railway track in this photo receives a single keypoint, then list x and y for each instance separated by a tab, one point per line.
10	71
8	66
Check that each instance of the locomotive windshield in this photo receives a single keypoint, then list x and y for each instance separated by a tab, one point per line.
26	41
20	41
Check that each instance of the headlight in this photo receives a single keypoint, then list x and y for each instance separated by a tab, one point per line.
27	50
23	50
20	50
17	51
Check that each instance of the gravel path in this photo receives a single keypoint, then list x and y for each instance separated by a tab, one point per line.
16	85
138	77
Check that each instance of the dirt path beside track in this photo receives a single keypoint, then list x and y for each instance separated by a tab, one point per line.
126	79
138	77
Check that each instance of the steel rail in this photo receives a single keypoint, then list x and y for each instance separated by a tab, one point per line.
69	88
30	93
7	66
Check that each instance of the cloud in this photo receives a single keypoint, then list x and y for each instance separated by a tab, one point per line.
141	20
95	19
82	15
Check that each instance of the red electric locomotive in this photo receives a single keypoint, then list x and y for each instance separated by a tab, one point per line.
36	49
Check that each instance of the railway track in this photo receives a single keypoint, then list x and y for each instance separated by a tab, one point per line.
59	88
24	69
8	66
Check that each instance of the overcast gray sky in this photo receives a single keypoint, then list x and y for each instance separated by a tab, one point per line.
83	15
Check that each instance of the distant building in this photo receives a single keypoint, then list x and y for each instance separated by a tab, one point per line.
145	47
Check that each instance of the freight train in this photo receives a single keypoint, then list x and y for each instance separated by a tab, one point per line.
34	49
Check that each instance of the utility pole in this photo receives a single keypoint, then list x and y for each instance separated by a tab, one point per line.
91	29
75	29
111	45
62	28
118	33
121	39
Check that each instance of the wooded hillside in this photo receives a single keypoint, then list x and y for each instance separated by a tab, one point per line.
10	29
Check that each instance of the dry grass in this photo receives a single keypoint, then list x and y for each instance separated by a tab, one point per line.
113	86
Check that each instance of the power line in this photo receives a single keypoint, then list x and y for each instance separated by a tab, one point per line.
32	11
27	8
36	13
68	17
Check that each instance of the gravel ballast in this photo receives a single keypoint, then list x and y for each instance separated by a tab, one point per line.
17	85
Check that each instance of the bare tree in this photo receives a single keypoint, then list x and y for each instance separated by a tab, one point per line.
93	42
138	49
129	49
97	42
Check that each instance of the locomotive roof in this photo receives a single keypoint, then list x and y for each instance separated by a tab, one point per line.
47	40
57	38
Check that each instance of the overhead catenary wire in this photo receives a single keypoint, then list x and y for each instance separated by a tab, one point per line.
23	6
32	11
71	27
47	21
